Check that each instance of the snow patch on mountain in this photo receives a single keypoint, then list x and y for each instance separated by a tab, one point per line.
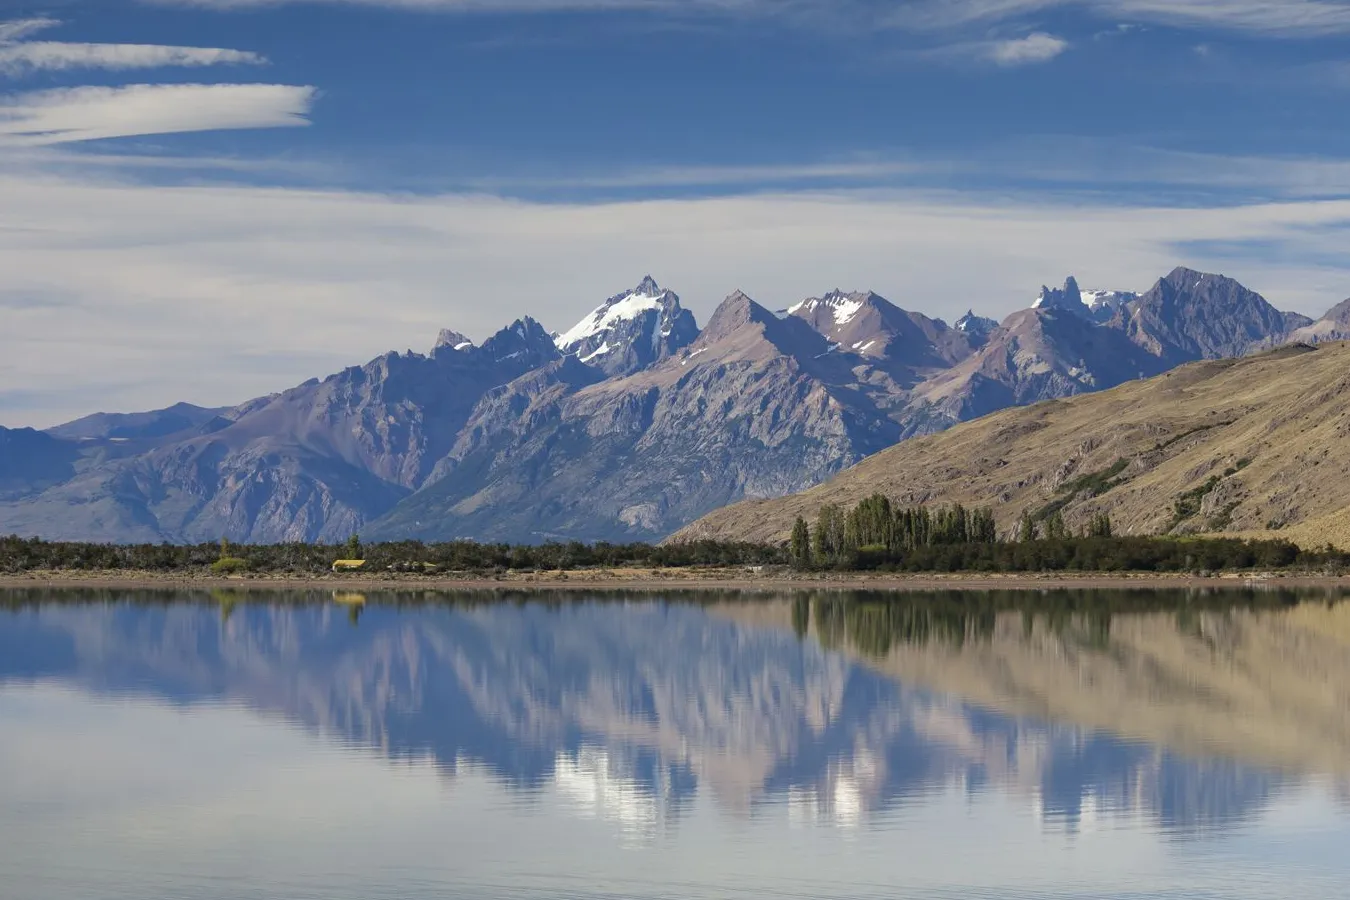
608	315
600	351
842	306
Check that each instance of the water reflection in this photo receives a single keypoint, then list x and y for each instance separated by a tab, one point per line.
1087	709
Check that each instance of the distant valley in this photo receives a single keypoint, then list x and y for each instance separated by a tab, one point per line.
628	426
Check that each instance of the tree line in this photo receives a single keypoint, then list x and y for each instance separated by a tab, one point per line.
873	535
878	535
19	554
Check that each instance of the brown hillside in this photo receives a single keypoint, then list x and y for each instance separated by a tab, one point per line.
1262	442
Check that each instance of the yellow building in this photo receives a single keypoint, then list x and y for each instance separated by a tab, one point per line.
348	565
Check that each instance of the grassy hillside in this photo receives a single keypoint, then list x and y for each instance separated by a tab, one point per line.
1259	445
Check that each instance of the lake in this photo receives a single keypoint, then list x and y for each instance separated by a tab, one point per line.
204	746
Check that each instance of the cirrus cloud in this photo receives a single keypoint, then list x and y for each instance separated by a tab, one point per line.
18	55
55	55
93	113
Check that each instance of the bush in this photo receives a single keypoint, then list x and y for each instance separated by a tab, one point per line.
229	565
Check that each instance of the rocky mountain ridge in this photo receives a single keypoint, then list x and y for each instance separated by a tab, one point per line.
627	426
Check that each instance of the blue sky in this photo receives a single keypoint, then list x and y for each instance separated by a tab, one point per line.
210	199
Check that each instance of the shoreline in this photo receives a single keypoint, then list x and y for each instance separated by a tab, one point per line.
662	580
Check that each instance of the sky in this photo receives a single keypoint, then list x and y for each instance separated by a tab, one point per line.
212	200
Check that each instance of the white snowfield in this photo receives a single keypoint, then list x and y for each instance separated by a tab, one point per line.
1096	299
609	315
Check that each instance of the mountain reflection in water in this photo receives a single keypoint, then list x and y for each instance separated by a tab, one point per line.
1191	712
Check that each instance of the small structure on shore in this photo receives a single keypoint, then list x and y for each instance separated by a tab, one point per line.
348	565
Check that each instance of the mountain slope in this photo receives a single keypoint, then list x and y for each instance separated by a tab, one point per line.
1258	443
32	460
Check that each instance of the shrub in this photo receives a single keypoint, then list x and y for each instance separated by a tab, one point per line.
229	565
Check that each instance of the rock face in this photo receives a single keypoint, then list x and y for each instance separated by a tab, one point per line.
626	427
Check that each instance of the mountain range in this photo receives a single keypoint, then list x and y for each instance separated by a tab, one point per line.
628	426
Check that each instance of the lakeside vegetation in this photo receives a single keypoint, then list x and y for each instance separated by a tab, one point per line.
873	536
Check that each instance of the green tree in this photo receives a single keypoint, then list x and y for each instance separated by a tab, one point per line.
1026	528
830	538
1100	526
1055	529
801	543
354	550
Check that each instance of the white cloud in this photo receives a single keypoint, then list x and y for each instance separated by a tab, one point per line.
1034	48
216	294
1030	50
91	113
56	55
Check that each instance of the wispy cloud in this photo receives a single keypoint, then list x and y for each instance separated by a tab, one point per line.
18	55
54	55
18	29
92	113
1265	17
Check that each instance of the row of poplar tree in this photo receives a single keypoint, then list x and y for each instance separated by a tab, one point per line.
879	528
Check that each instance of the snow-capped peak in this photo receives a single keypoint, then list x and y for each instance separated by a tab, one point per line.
843	307
646	297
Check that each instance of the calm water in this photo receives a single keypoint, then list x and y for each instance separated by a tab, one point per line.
1066	746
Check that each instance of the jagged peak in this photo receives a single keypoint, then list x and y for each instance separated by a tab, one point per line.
647	297
973	324
843	305
1068	298
648	287
524	331
452	339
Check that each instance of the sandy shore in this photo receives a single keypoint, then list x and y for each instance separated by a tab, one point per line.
659	580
